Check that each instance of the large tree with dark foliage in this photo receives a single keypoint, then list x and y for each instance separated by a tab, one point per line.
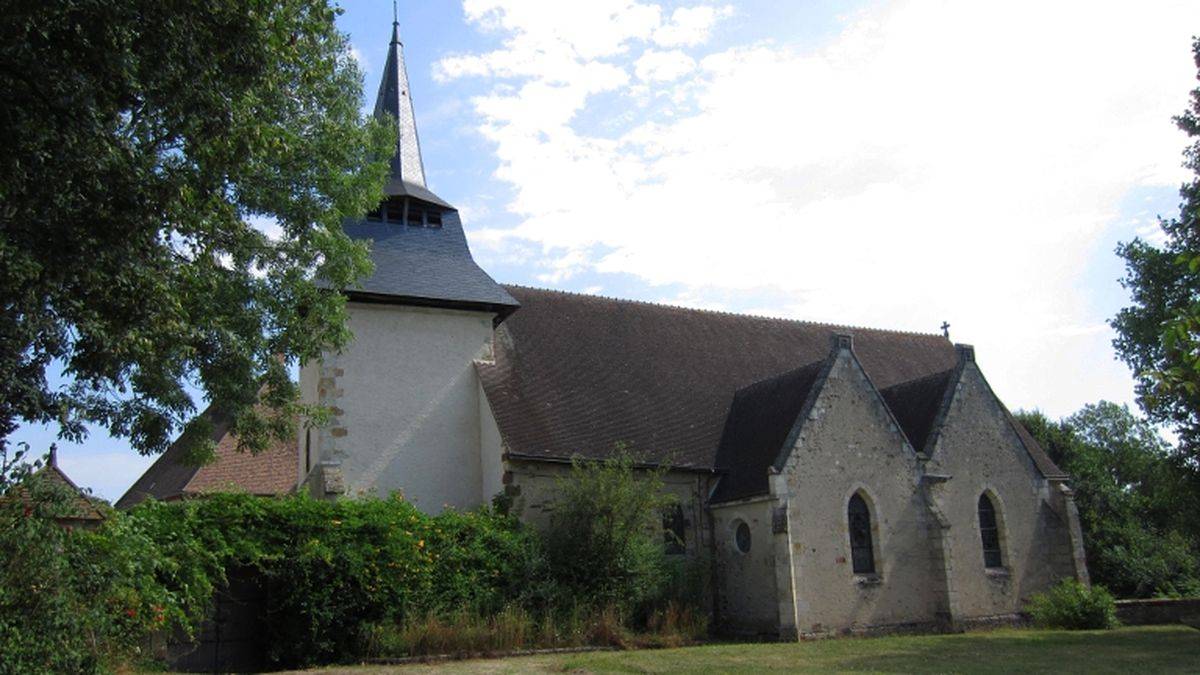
141	140
1158	335
1137	499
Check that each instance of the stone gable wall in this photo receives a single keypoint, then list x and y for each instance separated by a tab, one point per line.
978	451
849	444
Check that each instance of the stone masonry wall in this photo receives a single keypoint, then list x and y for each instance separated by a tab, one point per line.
746	592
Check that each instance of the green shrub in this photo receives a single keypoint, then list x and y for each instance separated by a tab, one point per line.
514	628
334	568
604	544
1074	606
81	601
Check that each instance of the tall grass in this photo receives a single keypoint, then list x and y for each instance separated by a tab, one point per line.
516	629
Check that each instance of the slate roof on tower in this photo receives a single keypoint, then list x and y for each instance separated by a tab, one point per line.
418	246
394	101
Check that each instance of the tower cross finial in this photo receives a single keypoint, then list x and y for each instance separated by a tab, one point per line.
945	329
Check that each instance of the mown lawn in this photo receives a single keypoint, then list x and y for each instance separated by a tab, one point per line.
1142	650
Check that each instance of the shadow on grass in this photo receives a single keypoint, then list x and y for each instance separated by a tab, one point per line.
1167	649
1147	650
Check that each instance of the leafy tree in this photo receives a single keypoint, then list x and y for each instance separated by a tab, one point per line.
1135	496
142	140
1158	336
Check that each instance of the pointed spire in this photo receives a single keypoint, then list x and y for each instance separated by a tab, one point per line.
395	102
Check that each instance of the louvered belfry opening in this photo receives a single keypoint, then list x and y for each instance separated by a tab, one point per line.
407	211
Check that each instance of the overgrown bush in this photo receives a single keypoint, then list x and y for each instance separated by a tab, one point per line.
515	628
341	576
1074	606
604	544
79	601
332	568
598	575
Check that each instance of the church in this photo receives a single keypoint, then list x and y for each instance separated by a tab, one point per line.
839	480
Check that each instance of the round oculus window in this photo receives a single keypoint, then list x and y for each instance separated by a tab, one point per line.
741	537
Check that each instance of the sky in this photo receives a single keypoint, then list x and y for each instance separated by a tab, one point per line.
891	164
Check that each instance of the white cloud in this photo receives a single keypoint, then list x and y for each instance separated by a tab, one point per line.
935	160
689	26
659	66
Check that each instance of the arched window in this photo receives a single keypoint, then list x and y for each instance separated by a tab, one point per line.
862	553
990	532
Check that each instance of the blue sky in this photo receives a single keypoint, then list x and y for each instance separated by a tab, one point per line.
885	164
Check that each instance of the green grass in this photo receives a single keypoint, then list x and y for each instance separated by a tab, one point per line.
1143	650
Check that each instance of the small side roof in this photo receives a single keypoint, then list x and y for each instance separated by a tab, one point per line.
760	419
917	405
1042	460
83	506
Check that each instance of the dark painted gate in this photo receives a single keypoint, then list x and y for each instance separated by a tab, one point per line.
233	640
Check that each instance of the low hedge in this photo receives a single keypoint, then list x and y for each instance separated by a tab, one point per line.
338	575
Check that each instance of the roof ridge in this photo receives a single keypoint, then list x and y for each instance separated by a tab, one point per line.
803	322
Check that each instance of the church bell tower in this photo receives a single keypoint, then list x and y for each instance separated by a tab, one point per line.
404	393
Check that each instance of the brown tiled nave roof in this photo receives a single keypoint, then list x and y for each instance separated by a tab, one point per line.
575	374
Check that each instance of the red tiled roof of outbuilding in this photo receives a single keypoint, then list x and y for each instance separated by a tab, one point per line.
271	472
